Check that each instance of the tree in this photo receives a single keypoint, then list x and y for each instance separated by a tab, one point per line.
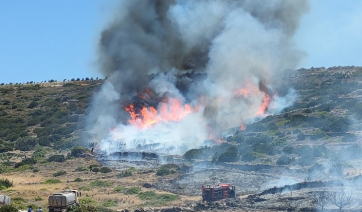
341	199
321	198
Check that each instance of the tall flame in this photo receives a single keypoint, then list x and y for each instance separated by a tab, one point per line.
170	109
173	110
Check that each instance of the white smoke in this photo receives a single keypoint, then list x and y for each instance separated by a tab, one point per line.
165	46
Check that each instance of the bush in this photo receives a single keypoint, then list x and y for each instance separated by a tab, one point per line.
57	158
81	169
5	183
191	154
78	151
163	171
105	170
39	153
38	198
126	173
8	208
87	201
99	183
95	169
283	160
239	138
132	190
228	157
33	104
264	148
160	198
248	157
52	181
119	189
288	150
78	180
26	161
301	137
26	143
59	173
109	203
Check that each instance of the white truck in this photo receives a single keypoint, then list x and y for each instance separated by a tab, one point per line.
4	200
63	200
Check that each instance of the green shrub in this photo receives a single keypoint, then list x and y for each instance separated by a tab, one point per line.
87	201
5	183
18	200
57	158
52	181
167	169
26	161
248	157
8	208
99	183
158	199
126	173
39	153
109	203
85	188
38	198
95	169
163	171
119	189
264	148
228	157
78	179
78	151
147	195
23	168
132	190
33	104
25	143
191	154
59	173
81	169
283	160
105	170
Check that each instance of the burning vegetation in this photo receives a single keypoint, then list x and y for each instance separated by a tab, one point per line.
177	78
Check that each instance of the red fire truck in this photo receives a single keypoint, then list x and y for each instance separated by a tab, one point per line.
221	191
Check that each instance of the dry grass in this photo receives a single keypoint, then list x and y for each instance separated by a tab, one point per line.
30	185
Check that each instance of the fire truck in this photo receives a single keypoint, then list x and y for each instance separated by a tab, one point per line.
221	191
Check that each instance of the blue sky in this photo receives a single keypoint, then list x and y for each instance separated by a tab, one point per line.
42	40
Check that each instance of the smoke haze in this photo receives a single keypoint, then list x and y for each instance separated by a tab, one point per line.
200	53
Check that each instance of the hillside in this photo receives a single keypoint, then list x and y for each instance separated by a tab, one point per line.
318	138
48	114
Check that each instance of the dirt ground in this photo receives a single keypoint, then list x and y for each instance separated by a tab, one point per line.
250	182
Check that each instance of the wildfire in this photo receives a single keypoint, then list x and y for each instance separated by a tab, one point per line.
173	109
242	126
264	105
251	90
170	109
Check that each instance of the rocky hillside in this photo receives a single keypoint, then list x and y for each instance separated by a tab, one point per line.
48	114
316	139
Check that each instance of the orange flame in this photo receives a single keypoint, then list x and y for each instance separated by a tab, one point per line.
242	127
264	105
169	110
254	90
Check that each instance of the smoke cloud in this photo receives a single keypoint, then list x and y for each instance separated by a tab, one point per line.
202	53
